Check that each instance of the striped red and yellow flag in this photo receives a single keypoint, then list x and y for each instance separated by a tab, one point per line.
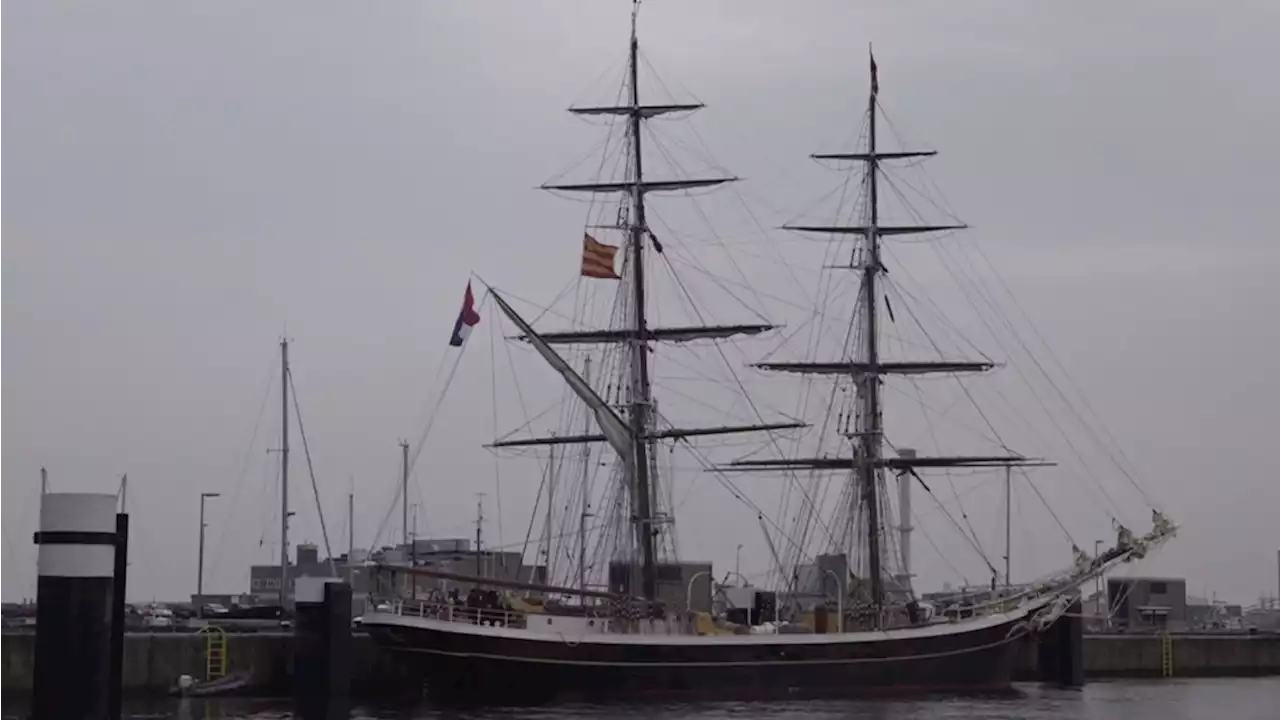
597	259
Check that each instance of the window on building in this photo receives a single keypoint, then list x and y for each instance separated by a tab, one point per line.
1159	588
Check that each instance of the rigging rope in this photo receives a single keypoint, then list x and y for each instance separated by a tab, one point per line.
422	438
493	402
965	288
1111	450
315	488
244	465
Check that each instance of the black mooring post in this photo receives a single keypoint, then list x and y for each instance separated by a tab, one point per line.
1047	656
116	688
322	647
75	569
337	608
1060	649
308	642
1071	645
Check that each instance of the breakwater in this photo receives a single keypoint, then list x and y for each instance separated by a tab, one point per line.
152	661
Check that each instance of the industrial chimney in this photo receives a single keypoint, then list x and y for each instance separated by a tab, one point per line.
904	519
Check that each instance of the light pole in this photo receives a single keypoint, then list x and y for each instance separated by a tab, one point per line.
737	561
200	564
839	601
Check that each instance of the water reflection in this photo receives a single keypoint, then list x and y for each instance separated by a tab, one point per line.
1238	699
250	709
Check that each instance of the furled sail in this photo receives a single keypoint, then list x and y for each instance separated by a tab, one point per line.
614	428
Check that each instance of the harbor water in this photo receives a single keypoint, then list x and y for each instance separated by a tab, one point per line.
1192	699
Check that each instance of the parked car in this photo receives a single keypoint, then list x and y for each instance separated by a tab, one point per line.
213	610
159	617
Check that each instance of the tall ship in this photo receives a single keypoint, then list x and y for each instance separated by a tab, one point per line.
608	611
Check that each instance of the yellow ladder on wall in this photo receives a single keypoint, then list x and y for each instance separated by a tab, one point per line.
1166	655
215	652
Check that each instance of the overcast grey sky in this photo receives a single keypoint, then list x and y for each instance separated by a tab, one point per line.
186	180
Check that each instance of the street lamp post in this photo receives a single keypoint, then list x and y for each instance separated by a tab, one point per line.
200	563
839	601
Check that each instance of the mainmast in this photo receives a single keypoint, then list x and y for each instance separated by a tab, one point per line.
641	392
865	368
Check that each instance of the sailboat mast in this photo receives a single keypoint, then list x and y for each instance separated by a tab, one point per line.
404	494
872	428
284	472
640	390
551	495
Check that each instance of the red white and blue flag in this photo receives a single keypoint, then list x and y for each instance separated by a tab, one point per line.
467	319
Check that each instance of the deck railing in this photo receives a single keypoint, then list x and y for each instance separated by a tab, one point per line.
675	624
449	612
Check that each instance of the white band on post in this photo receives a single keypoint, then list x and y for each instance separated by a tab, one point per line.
76	536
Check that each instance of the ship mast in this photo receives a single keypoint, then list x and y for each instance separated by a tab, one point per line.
633	438
870	427
641	392
866	369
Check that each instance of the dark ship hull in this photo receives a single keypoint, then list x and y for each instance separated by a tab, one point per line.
474	664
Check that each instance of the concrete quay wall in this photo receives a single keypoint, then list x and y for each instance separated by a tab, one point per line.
152	661
1129	656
